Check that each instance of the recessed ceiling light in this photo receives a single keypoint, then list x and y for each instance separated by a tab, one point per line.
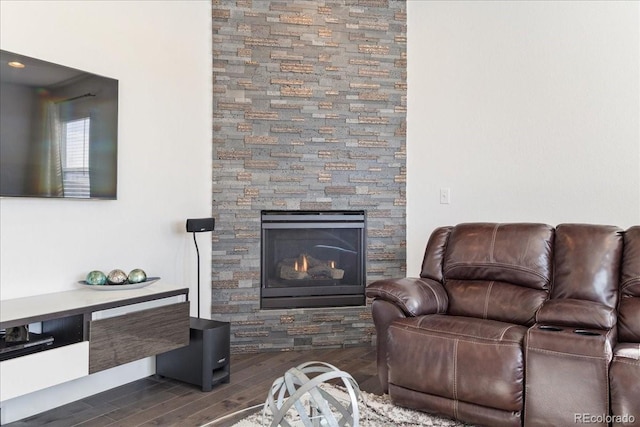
15	64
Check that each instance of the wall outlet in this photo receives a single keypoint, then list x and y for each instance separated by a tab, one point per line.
445	196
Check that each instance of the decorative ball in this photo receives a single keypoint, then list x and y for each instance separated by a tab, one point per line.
137	275
301	389
117	277
96	277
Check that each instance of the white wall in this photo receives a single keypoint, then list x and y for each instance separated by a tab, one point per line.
160	51
527	111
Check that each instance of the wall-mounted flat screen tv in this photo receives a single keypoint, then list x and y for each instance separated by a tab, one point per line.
58	130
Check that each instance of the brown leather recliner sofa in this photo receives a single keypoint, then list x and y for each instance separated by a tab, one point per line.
516	324
624	372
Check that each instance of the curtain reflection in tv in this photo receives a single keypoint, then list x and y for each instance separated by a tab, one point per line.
58	131
50	179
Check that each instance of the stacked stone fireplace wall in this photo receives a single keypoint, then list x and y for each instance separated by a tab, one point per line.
309	105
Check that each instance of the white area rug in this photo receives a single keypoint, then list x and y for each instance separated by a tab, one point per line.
375	411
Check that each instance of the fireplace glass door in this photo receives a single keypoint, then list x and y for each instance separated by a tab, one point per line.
313	259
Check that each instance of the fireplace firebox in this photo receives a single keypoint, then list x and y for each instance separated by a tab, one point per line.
313	259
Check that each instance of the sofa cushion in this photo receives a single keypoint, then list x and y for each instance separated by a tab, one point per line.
459	358
575	312
497	271
587	263
631	258
520	254
629	309
494	300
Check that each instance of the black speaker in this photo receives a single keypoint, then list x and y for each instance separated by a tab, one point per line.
198	225
205	361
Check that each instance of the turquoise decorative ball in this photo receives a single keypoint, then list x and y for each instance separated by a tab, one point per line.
137	275
96	277
117	277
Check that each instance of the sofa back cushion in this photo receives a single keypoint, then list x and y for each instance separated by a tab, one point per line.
501	301
434	254
587	263
629	309
494	271
516	253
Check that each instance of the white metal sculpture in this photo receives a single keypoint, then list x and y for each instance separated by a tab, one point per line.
315	406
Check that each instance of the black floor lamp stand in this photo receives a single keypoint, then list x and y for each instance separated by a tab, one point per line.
205	361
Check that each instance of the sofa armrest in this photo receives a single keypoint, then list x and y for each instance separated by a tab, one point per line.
578	313
415	296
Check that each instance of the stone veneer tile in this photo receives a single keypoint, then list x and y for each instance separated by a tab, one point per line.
309	113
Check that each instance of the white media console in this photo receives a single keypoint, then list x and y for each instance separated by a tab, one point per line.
92	331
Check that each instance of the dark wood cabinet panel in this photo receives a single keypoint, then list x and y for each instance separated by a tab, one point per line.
132	336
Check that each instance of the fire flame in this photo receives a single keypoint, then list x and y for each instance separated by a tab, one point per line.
303	266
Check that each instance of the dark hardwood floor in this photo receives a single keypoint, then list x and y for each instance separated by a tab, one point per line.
155	401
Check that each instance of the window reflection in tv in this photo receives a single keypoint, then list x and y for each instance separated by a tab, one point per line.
58	130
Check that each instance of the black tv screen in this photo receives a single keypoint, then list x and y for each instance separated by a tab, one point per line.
58	130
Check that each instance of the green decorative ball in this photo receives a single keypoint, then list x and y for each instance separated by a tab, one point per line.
137	276
96	277
117	277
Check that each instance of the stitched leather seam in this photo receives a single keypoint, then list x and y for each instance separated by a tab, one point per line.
486	300
606	386
458	334
395	298
505	331
563	354
402	302
636	363
408	328
451	266
430	287
629	282
493	242
455	373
